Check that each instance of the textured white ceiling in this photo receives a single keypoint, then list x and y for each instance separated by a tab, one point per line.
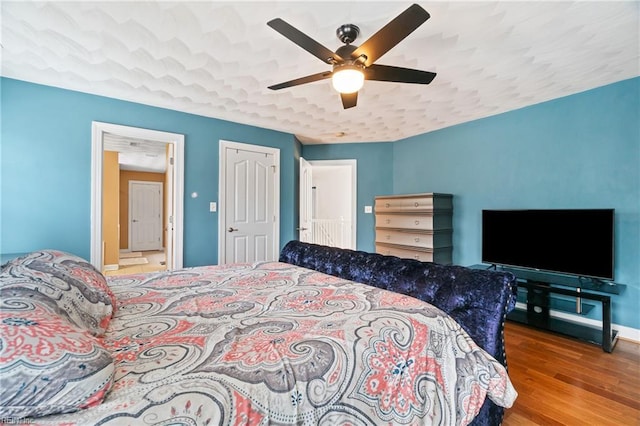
216	59
137	154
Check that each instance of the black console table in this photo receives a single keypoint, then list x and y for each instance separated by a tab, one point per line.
540	291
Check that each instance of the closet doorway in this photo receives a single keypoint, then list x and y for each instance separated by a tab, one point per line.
249	214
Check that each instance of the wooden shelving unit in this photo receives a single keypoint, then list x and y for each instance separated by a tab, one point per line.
415	226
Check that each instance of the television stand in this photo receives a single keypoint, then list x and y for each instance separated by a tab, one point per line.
544	292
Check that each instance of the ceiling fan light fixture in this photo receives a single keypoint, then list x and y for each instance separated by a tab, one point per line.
347	78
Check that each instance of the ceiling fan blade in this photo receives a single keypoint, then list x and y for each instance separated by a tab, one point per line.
391	34
398	75
304	41
302	80
349	100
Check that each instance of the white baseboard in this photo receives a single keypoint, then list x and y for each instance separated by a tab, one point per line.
111	267
626	333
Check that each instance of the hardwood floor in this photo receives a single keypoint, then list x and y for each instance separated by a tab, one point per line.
155	259
562	381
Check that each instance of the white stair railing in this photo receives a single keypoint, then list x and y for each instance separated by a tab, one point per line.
332	232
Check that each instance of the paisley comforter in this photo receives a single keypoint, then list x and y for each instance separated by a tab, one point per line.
272	343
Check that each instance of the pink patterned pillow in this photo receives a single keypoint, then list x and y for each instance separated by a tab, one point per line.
70	281
48	365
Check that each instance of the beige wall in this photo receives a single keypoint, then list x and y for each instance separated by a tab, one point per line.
125	177
110	207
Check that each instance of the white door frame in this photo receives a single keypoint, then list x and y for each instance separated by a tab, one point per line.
158	185
353	164
305	212
169	233
222	181
98	130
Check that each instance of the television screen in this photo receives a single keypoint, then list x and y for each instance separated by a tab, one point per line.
577	242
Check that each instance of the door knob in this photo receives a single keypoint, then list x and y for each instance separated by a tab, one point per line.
134	220
232	229
301	229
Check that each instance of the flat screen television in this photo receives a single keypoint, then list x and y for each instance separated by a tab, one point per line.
568	241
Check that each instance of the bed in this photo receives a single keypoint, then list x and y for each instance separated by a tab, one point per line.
243	344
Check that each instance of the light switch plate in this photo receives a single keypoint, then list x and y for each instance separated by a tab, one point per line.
213	206
368	209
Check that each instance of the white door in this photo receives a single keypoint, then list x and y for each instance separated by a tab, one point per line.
145	215
306	202
250	203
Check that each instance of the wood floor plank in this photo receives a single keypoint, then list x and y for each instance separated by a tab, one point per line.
598	390
562	381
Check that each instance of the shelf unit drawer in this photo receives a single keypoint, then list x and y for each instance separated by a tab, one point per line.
415	222
415	239
413	203
440	255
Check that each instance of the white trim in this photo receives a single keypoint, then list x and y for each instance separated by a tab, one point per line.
222	162
111	267
628	333
98	129
353	164
168	233
625	333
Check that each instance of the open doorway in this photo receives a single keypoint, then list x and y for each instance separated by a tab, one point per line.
121	155
328	202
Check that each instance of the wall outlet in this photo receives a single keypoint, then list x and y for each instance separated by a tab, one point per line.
213	207
368	209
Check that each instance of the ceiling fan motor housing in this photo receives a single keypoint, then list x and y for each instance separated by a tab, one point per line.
345	53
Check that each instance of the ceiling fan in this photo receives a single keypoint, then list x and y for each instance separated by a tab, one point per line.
352	64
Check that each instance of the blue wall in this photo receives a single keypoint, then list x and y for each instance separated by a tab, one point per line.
581	151
46	168
375	173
